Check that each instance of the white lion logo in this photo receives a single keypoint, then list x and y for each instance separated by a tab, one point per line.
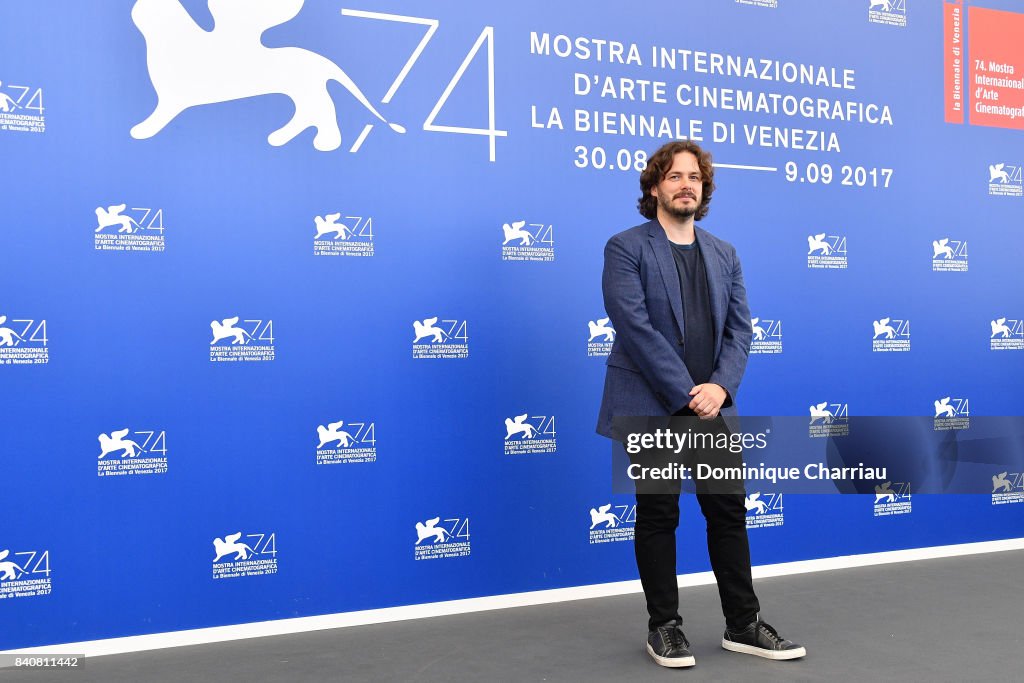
885	493
759	331
754	502
997	172
427	329
999	327
9	570
818	243
601	328
226	328
883	327
602	516
116	442
942	408
517	231
430	529
519	426
111	216
333	432
821	412
190	67
8	337
942	247
230	545
328	224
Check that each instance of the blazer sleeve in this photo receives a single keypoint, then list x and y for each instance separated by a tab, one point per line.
625	303
736	336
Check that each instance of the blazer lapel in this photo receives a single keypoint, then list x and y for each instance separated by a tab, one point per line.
669	274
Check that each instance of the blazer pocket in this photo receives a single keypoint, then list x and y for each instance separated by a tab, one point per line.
622	361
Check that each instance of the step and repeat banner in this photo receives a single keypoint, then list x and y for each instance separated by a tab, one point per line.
300	306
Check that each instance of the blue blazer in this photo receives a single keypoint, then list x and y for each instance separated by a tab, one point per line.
646	375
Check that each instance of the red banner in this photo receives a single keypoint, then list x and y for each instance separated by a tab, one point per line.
996	69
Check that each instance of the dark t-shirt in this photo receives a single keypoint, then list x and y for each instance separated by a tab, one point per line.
699	344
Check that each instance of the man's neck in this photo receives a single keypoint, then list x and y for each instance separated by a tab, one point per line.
677	230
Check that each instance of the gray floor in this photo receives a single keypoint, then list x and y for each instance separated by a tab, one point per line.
956	619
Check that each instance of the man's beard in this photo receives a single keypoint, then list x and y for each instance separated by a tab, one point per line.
683	213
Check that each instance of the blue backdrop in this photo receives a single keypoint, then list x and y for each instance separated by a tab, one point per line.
113	535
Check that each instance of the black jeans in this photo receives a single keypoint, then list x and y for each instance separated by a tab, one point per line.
657	517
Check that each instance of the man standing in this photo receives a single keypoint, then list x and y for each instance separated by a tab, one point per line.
676	299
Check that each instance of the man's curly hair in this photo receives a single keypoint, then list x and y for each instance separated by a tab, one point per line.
660	163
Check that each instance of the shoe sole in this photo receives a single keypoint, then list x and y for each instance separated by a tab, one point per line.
672	662
795	653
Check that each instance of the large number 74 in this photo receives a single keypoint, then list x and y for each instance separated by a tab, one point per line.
486	36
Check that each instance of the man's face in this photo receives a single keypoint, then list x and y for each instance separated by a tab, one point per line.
679	192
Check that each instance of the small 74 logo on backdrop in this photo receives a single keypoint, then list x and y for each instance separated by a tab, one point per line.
601	339
253	555
123	452
21	108
530	434
826	251
1005	180
764	510
341	443
767	336
829	419
439	538
889	12
445	338
135	229
235	339
892	498
528	242
24	574
949	255
1008	488
1007	334
890	334
611	523
952	413
23	341
343	236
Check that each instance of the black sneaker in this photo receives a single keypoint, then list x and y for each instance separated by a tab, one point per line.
669	647
762	640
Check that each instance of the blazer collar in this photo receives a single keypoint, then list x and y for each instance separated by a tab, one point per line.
670	276
655	230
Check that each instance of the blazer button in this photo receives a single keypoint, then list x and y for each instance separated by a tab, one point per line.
680	341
